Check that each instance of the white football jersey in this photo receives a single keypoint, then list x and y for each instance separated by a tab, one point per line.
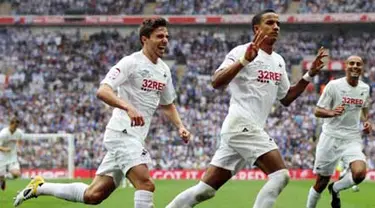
7	139
339	92
254	89
144	85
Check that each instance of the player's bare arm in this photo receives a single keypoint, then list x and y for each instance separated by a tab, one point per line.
367	125
171	112
296	90
4	149
224	76
107	95
327	113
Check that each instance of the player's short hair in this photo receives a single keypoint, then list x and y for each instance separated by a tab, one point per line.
149	25
258	17
15	120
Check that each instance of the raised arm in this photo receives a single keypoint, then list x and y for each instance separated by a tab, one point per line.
296	90
224	76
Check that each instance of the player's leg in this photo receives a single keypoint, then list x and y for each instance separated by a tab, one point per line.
2	177
108	177
353	155
100	188
346	169
315	191
273	165
140	177
224	164
326	159
14	171
355	176
213	179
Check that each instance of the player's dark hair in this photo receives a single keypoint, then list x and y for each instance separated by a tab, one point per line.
258	17
149	25
15	120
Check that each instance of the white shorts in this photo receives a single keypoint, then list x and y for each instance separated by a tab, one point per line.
124	151
8	167
236	149
330	150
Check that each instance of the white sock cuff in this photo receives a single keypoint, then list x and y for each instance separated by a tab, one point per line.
205	186
314	192
279	173
143	194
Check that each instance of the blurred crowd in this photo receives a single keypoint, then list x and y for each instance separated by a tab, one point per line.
336	6
195	7
55	76
61	7
183	7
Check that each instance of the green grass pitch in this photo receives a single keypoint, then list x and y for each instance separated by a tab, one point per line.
235	194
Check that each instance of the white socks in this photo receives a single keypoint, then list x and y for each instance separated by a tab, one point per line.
313	198
143	199
72	191
344	183
271	190
192	196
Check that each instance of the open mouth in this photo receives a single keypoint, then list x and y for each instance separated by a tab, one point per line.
354	73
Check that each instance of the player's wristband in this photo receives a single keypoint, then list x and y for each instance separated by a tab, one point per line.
243	61
307	77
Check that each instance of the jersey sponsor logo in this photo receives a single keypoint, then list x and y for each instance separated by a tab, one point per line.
267	76
352	101
152	85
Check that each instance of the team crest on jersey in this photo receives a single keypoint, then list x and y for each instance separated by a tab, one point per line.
145	73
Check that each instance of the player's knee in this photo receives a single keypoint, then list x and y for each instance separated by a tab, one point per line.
321	184
94	197
358	176
16	175
282	176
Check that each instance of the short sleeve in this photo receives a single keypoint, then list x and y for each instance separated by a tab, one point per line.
3	136
230	58
284	85
326	98
119	73
168	94
367	99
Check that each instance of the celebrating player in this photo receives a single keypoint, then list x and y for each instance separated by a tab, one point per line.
256	77
341	104
143	82
9	137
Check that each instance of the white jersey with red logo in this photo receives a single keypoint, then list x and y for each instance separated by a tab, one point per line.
144	85
339	92
9	140
254	89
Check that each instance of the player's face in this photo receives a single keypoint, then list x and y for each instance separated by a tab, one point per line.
270	25
13	126
354	67
158	41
